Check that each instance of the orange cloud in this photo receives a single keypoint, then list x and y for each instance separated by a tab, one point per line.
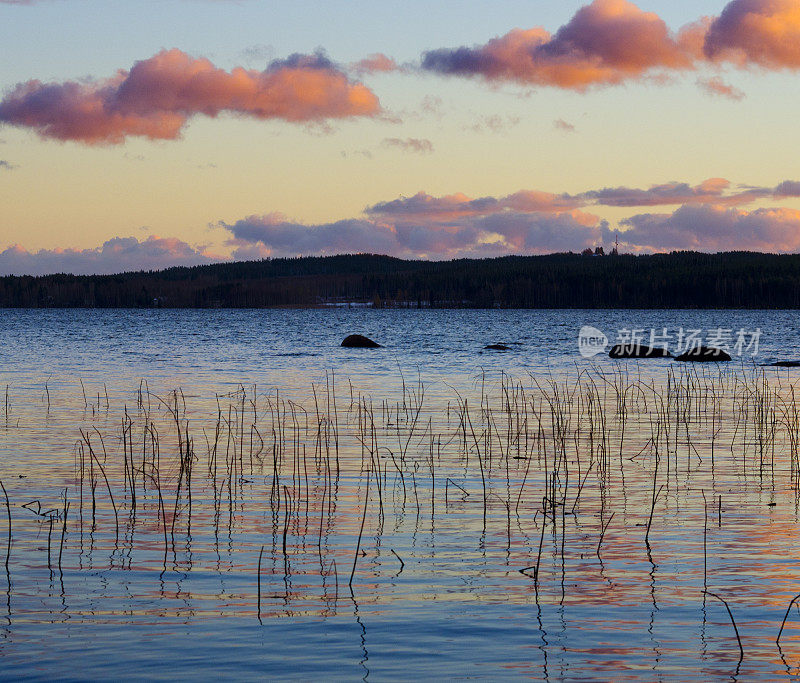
606	42
157	97
376	63
613	41
756	32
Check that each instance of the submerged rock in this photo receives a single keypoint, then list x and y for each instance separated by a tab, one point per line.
497	347
359	341
703	354
638	351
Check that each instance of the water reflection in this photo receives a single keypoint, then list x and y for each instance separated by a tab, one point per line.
556	524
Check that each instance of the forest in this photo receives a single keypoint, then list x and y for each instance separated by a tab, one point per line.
568	280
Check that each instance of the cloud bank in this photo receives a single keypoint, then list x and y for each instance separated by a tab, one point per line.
691	227
117	255
475	236
711	191
535	222
158	96
714	228
708	217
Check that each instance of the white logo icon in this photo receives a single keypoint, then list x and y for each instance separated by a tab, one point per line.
591	341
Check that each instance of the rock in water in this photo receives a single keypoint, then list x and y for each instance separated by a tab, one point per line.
638	351
359	341
784	364
497	347
703	354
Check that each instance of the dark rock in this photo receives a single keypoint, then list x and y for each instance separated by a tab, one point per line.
703	354
784	364
638	351
359	341
497	347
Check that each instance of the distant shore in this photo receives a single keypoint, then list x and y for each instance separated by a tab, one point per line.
683	280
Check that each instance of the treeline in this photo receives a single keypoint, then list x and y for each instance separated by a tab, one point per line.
676	280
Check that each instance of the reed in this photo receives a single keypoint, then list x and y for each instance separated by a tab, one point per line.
525	467
8	530
733	622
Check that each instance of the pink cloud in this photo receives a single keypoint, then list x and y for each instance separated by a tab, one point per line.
714	228
714	191
531	222
606	42
609	42
541	233
117	255
375	63
157	97
425	206
668	193
423	227
716	86
281	237
545	202
765	33
482	235
456	226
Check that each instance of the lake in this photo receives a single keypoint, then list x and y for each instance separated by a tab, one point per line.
231	494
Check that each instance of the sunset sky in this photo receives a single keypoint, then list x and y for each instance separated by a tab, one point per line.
139	135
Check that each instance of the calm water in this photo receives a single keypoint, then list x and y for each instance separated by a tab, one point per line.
194	447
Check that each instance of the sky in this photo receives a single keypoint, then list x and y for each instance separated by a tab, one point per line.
141	135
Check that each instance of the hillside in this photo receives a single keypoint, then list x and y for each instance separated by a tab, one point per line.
677	280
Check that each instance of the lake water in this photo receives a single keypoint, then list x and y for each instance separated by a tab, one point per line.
231	494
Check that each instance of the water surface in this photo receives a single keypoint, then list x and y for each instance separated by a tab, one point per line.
466	491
